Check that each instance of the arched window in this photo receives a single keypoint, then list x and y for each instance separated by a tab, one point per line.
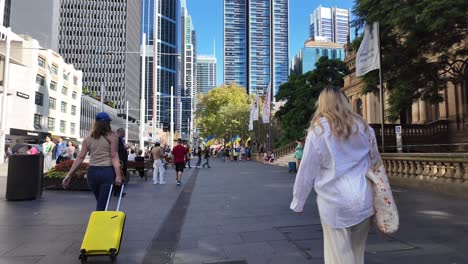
358	106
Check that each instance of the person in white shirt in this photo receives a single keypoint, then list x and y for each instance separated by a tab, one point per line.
132	156
335	161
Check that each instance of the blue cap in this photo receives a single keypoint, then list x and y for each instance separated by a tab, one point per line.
103	116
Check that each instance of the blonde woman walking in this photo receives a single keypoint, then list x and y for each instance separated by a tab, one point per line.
335	161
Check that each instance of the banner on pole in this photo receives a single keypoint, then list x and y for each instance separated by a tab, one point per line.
267	105
368	55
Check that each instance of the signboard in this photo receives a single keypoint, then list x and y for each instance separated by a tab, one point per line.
398	139
22	95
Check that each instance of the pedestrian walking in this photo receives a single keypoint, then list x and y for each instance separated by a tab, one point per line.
189	156
207	158
47	148
104	165
298	153
199	155
60	150
123	157
335	162
158	164
179	154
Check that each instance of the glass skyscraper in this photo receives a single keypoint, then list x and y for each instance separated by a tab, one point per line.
188	87
256	46
206	73
160	79
308	56
329	24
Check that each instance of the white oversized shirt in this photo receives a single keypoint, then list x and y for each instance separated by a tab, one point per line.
336	168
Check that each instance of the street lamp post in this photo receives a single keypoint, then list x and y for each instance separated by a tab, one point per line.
126	125
142	100
6	72
172	117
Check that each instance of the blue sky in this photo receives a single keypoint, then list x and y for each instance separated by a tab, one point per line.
207	18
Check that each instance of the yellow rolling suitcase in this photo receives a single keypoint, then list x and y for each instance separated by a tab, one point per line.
104	232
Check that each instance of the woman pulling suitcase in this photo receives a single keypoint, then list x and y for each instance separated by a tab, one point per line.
104	164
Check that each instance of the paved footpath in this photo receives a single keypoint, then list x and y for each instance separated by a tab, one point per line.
235	213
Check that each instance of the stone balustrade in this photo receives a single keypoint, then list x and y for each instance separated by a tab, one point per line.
443	172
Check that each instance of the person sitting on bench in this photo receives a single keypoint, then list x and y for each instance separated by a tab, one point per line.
140	159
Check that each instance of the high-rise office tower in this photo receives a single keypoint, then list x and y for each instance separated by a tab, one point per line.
101	38
206	73
256	43
188	89
5	12
329	24
159	22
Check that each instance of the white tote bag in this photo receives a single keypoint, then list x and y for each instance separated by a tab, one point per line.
386	213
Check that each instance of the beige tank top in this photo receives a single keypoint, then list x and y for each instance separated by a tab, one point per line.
99	150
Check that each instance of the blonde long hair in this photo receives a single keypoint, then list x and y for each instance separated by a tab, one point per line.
334	106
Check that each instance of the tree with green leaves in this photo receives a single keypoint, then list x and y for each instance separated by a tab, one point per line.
423	46
301	93
224	111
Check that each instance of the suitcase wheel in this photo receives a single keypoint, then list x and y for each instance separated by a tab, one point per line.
83	258
113	254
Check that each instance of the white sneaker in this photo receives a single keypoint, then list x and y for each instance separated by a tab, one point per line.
155	182
162	182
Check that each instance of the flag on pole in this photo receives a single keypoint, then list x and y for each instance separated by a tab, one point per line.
210	140
247	142
368	55
267	105
236	139
255	108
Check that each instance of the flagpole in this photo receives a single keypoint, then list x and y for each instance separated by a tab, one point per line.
382	106
269	117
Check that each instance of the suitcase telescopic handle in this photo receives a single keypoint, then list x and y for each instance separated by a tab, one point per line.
110	194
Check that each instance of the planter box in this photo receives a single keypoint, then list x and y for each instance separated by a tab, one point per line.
77	184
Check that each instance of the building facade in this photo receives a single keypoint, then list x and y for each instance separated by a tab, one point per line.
45	94
5	6
206	73
453	110
159	21
308	56
90	107
256	43
331	24
98	37
188	89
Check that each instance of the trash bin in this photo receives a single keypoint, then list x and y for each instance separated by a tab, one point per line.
24	180
292	166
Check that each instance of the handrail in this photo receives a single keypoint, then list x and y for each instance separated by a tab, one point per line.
286	149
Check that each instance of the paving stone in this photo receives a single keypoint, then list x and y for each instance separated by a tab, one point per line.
249	249
21	260
263	235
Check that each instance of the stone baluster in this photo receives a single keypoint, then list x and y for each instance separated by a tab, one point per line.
412	170
440	173
400	168
426	171
433	169
449	172
419	169
465	172
458	172
405	169
393	168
